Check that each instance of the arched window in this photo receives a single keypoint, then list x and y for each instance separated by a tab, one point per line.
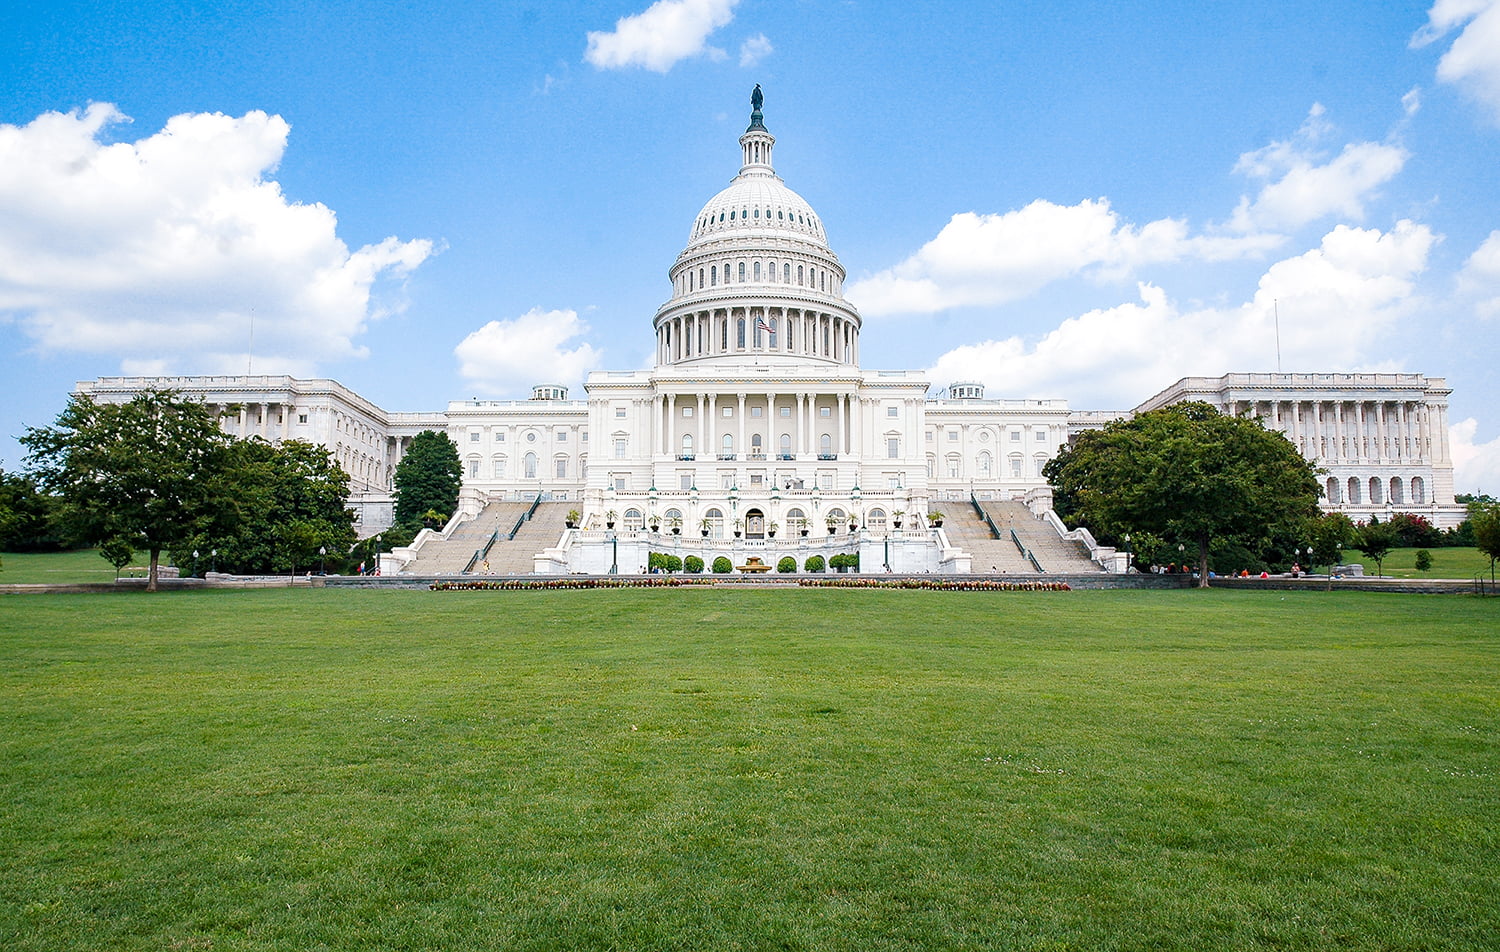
1398	491
772	324
796	520
700	277
953	468
1418	491
633	520
757	449
742	271
1354	493
530	464
757	264
713	275
1377	493
1015	465
1332	492
786	444
498	467
875	519
786	274
1038	463
715	520
727	444
983	464
740	333
799	275
825	444
687	444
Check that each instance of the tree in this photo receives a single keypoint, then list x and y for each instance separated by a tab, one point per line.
25	515
150	472
1424	560
427	478
1330	533
1485	517
292	499
1185	472
1376	541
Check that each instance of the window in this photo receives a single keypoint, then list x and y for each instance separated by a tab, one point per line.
825	444
786	274
499	436
713	274
473	436
825	412
562	436
726	480
984	464
684	481
619	447
619	413
562	467
953	466
728	412
1038	463
687	411
619	484
952	436
499	467
755	412
302	418
687	444
786	412
1040	436
786	444
1015	467
893	447
727	444
530	466
473	469
742	270
757	264
929	436
892	412
1015	436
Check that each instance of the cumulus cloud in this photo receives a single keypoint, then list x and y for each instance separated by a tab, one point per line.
658	38
1476	466
1473	61
1337	303
755	49
988	259
1480	277
1301	187
163	251
508	357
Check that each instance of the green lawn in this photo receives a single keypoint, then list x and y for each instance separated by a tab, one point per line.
711	769
82	565
1446	563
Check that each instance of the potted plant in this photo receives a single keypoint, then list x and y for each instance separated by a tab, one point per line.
705	525
853	523
609	519
771	528
655	522
676	525
739	526
935	519
573	516
833	523
896	517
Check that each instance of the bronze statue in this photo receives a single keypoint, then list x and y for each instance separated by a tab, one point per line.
756	98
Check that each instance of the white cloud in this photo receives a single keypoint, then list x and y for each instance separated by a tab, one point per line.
1476	466
1473	61
163	251
986	259
1480	277
658	38
1301	188
508	357
755	49
1337	304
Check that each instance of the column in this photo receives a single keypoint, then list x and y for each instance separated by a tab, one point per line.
841	408
744	447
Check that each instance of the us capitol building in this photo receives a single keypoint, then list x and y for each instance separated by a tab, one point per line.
758	432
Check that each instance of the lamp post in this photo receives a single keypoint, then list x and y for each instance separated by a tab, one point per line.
1338	550
322	560
195	563
1180	549
213	560
375	567
614	553
1127	553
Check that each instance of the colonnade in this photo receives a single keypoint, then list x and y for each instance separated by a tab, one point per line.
706	434
758	330
1358	431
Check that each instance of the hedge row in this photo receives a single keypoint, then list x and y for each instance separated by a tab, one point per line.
519	584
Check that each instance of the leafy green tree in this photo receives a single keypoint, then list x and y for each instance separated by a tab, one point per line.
693	564
427	478
1413	531
1376	541
1424	560
152	471
786	564
117	552
25	515
814	563
1485	517
293	500
1184	472
1331	533
722	565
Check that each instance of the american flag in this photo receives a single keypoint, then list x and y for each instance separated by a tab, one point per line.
760	322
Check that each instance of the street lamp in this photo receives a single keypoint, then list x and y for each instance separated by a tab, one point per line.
1127	553
213	560
195	563
1180	549
1338	552
376	560
322	560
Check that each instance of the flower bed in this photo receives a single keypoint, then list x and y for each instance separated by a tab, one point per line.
943	585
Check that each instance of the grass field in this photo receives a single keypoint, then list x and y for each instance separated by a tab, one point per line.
30	568
808	769
1446	563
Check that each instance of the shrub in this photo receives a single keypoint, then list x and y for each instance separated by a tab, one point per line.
693	564
656	561
723	566
1424	560
814	563
673	563
787	564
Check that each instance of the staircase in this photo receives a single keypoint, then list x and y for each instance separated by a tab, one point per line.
542	531
1057	556
449	556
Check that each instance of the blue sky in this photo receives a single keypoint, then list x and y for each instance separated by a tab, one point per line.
429	202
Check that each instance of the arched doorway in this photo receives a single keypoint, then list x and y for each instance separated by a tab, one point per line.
755	524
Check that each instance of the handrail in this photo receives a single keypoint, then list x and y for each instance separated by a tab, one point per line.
1025	552
994	529
525	517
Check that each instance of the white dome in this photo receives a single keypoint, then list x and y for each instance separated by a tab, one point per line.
757	205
